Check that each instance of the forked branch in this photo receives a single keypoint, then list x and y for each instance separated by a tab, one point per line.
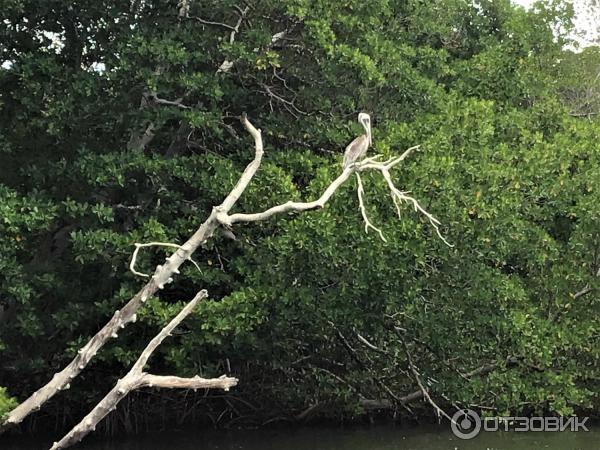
137	378
363	210
371	163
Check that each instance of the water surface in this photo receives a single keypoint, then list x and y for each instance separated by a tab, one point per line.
320	438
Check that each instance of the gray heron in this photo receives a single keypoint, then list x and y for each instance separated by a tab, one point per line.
358	147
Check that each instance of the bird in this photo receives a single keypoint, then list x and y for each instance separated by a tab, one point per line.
359	146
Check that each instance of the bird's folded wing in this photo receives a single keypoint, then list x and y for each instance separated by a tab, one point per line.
355	149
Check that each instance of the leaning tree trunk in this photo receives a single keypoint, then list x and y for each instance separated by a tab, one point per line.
162	275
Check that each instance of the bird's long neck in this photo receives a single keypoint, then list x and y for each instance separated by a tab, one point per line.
368	131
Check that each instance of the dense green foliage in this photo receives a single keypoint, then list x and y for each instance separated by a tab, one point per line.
511	175
6	402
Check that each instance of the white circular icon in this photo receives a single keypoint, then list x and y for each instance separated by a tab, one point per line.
466	424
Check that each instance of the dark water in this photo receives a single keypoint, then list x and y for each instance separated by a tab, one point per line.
372	438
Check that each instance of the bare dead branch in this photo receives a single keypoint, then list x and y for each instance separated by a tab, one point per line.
210	22
415	371
138	367
250	170
582	292
363	211
399	196
161	101
227	65
291	206
366	164
353	354
154	244
418	394
136	379
166	381
287	104
584	114
370	345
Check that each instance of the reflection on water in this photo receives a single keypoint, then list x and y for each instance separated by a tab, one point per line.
318	438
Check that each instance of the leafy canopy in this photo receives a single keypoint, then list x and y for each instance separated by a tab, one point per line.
94	161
